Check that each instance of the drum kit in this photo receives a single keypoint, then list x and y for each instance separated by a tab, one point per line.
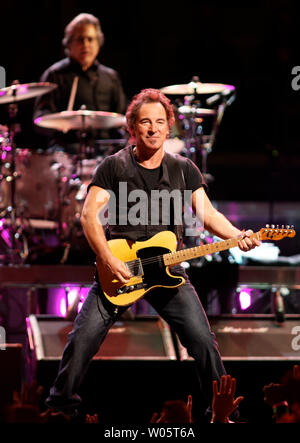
45	191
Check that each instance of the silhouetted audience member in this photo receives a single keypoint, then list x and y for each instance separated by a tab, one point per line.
25	408
174	411
284	397
92	418
224	403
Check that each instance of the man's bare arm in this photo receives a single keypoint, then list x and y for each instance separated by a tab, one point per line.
216	222
95	202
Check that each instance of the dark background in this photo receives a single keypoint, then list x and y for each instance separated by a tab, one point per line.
155	44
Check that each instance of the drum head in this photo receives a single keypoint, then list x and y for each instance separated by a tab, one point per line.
174	145
37	183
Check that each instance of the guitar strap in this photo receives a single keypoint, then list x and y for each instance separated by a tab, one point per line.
177	181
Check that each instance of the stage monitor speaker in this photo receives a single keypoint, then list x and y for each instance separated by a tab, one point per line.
142	338
254	337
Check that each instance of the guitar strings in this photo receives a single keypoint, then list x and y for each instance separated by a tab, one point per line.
131	264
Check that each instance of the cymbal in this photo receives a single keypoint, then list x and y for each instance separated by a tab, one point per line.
3	128
18	92
82	119
197	88
194	111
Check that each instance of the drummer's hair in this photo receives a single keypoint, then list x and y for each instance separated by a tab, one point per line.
148	96
82	19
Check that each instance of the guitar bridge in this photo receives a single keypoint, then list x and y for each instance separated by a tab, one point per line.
131	288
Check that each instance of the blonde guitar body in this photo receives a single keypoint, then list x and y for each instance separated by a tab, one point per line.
144	259
149	262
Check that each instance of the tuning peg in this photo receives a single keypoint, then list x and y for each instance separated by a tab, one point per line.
273	226
267	226
287	226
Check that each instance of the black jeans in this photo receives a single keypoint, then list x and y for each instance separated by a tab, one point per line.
180	307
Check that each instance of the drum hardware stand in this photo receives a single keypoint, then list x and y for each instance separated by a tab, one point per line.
219	116
196	141
217	121
65	186
75	181
15	254
77	161
60	199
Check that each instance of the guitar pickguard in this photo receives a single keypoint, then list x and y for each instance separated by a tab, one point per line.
154	270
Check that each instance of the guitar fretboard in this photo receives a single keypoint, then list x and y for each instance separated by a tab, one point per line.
174	258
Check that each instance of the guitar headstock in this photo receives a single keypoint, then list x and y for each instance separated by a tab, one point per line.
277	233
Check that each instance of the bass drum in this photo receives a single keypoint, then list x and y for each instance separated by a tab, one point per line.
39	179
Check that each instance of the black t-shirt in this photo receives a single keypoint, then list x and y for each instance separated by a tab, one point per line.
104	175
167	213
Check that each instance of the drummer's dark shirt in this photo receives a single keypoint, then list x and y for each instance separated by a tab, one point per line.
99	89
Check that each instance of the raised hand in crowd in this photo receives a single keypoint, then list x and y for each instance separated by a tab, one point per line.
284	397
296	372
224	403
25	405
91	418
274	393
189	407
174	411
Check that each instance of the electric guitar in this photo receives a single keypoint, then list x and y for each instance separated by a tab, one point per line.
149	262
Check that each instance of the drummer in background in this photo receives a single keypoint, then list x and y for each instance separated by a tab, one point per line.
99	87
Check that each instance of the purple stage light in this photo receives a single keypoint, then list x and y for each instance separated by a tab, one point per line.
59	299
245	298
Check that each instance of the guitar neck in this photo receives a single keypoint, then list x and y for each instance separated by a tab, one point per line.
174	258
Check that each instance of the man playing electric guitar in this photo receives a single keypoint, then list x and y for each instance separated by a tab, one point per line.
136	183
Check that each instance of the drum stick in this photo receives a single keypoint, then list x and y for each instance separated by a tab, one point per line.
73	93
